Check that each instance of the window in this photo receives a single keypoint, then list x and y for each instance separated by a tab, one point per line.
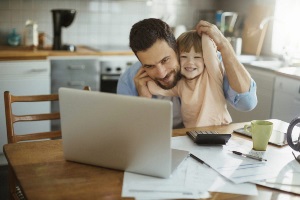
286	29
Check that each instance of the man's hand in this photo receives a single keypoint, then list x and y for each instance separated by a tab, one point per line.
213	32
140	81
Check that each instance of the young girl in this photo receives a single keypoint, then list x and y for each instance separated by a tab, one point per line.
200	88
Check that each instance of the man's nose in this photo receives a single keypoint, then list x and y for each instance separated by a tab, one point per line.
161	71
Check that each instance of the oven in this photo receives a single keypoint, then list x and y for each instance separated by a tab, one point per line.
110	74
112	66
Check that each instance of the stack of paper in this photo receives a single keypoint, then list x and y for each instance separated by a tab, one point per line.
228	173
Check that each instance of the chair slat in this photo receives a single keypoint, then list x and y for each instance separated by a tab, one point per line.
36	117
38	136
34	98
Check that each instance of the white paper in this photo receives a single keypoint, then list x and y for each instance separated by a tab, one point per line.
201	176
148	187
234	167
288	178
191	180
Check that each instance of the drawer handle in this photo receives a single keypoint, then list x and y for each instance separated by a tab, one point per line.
76	67
39	70
76	83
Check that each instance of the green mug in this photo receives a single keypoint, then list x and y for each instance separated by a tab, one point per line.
261	131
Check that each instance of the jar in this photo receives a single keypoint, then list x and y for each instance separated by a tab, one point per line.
13	38
41	40
31	33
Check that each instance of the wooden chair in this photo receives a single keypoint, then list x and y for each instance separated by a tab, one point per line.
12	137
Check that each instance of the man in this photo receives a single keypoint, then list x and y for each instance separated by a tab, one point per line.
154	44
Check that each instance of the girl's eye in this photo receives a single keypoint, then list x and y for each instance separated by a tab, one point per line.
197	57
182	56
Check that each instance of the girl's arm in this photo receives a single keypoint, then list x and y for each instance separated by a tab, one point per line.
212	63
238	77
156	90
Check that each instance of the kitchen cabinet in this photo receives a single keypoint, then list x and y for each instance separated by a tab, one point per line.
75	73
26	77
286	102
264	79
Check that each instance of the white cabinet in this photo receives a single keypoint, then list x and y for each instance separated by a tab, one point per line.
73	73
286	104
264	79
28	77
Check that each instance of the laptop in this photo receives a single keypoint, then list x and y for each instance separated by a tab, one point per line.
119	132
278	136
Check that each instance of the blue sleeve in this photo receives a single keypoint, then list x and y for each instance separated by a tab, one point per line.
126	84
240	101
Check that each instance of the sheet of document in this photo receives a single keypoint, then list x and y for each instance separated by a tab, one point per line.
288	178
236	168
201	176
148	187
190	180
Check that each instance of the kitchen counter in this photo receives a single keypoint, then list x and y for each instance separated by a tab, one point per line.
270	64
292	72
25	53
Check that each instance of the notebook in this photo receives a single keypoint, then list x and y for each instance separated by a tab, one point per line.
119	132
278	136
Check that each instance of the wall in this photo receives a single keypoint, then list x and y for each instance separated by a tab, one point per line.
97	22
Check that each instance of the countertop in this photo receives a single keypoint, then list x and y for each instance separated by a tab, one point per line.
8	53
270	64
26	53
292	72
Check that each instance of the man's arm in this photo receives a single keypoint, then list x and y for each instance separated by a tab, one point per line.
239	88
246	101
238	77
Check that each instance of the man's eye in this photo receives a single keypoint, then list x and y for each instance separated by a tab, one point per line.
148	66
197	57
183	57
164	60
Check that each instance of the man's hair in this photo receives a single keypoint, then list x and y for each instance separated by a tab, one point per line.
146	32
189	39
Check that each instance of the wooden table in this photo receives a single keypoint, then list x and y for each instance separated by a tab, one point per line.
43	173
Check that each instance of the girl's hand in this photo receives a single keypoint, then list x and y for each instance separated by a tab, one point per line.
213	32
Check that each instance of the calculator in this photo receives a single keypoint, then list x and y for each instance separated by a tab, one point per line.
208	137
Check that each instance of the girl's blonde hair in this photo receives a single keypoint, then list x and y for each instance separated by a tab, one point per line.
189	39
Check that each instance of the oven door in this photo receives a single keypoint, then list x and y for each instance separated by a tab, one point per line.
109	83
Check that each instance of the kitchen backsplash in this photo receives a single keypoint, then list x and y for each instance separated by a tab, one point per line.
97	22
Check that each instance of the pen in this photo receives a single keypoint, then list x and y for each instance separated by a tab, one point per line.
248	156
199	160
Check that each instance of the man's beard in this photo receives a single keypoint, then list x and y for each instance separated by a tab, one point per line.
177	77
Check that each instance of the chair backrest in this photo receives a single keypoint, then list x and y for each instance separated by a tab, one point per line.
11	118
